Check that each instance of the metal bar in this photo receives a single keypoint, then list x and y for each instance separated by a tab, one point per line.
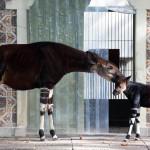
134	27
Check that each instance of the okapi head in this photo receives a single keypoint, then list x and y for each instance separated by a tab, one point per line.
109	71
121	85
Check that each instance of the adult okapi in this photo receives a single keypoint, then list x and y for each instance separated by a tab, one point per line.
43	64
138	95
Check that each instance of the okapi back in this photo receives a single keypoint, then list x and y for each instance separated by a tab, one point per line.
35	65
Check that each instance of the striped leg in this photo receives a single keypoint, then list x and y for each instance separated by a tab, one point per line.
44	94
42	117
50	115
137	119
131	122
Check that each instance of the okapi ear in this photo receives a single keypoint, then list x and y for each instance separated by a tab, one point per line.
128	78
92	57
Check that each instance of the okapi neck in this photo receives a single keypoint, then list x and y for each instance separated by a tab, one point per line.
80	63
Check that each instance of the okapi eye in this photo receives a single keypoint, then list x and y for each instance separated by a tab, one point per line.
110	67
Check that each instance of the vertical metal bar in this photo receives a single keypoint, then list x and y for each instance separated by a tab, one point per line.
92	30
134	27
88	30
128	44
110	46
124	19
115	31
108	30
104	14
87	108
97	116
100	30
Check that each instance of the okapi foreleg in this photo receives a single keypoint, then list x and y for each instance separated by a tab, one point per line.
50	115
131	124
42	116
44	95
132	121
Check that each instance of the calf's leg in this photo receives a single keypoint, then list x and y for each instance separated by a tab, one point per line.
131	124
134	112
137	120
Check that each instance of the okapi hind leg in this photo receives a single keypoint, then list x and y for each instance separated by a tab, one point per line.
42	117
44	94
50	116
137	121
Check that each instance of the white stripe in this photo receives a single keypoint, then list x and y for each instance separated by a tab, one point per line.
132	120
42	107
134	108
44	89
42	122
51	93
137	128
51	124
130	129
50	107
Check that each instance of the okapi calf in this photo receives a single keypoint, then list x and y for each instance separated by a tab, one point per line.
139	96
43	64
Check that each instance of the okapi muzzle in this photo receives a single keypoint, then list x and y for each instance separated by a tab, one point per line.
107	70
102	67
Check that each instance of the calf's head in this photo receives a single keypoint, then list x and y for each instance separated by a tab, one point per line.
121	85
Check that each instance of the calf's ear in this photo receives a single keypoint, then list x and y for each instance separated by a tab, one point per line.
128	78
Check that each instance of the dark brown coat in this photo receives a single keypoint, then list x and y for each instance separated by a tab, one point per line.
43	64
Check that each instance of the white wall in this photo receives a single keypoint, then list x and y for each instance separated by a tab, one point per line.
140	45
21	6
140	4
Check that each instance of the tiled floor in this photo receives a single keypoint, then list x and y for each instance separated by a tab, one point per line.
104	142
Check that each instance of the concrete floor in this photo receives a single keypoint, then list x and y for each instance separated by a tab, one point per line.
103	142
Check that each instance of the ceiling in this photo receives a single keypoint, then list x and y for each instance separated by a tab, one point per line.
114	5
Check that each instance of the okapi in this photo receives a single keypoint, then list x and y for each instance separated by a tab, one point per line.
42	65
138	95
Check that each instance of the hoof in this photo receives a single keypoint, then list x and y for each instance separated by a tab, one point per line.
41	134
137	137
42	138
53	134
128	136
54	137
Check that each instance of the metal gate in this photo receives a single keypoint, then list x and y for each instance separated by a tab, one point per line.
106	30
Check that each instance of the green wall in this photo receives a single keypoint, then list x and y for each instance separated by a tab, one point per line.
60	21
